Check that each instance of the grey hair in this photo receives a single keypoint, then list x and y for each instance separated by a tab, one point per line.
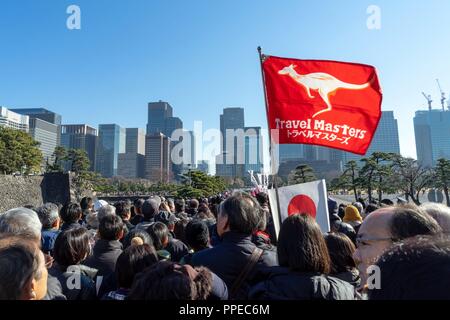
48	214
92	220
440	213
105	211
359	206
21	222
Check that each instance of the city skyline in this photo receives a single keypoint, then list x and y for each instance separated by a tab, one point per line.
209	62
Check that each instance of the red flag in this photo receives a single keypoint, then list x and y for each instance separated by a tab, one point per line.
328	103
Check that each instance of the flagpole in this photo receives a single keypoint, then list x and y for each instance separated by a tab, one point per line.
275	182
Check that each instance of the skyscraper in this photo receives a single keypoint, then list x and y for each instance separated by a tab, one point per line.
111	142
158	112
253	150
171	124
13	120
80	136
46	134
227	164
432	133
385	139
131	163
157	158
135	141
43	114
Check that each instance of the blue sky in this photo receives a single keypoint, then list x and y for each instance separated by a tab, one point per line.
200	55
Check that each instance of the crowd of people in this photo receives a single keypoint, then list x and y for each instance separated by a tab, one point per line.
223	248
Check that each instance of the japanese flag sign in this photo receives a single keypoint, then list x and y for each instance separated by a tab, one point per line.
327	103
309	198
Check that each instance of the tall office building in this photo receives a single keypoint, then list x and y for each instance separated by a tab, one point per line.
253	150
157	158
432	133
227	161
131	163
43	114
158	112
135	141
46	134
171	124
80	136
111	142
13	120
385	139
162	121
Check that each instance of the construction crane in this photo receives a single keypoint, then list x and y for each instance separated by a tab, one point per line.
428	97
442	95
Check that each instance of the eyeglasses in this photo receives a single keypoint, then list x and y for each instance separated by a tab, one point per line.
364	241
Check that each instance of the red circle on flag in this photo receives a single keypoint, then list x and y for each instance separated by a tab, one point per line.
302	204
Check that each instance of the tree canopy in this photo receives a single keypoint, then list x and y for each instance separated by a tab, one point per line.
19	153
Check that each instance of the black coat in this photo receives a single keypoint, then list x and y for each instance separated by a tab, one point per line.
136	219
67	279
67	226
228	258
104	257
54	289
350	276
177	250
283	284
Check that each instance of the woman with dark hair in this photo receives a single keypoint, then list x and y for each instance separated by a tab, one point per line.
197	238
343	266
159	233
133	260
23	275
304	266
179	230
72	247
87	205
166	280
137	237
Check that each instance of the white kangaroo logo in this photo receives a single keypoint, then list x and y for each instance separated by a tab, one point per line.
325	83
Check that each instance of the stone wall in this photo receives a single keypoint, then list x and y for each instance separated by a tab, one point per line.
34	190
19	191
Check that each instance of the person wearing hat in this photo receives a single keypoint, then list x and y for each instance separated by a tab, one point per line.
352	217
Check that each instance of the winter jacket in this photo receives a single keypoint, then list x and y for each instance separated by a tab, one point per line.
284	284
66	226
228	258
77	281
104	257
137	219
177	250
48	238
350	276
54	289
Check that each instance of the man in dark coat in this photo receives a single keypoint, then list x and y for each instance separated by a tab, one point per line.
108	248
238	217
